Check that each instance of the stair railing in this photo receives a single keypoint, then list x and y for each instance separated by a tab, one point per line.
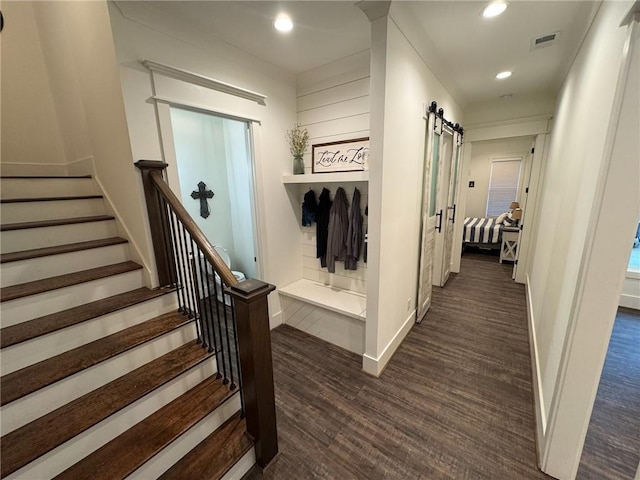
231	317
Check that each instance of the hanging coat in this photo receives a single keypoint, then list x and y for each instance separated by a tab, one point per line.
354	234
322	226
309	207
338	229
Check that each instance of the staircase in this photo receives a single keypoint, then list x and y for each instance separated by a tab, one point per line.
101	377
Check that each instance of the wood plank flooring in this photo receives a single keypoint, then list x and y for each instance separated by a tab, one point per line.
612	447
455	401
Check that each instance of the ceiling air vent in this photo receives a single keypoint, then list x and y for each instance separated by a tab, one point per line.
545	40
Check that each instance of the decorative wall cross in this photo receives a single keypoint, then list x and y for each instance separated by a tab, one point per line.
202	194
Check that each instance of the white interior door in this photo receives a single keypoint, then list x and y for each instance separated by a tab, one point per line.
442	261
428	219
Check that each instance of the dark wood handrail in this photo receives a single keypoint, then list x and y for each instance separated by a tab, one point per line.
198	236
249	299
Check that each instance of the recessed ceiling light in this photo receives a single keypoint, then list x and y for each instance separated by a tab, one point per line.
283	23
503	75
494	9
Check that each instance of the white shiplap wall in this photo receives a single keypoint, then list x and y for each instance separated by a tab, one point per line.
333	104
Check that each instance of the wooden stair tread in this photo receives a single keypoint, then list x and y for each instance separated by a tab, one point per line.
58	249
29	442
34	377
54	223
212	458
14	292
123	455
40	177
24	331
49	199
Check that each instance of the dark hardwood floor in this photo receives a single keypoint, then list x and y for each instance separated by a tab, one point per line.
612	447
455	401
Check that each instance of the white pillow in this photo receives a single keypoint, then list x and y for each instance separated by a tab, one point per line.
501	218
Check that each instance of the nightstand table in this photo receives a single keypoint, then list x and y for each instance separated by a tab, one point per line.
509	249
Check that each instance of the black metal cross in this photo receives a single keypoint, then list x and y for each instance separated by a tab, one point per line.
202	194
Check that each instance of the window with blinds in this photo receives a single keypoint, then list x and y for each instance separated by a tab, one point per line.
503	186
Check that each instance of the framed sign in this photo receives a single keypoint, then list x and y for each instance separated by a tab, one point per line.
344	156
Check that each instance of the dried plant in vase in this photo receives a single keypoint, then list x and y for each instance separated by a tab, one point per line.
298	139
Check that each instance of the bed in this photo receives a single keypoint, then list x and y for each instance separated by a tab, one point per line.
487	232
482	232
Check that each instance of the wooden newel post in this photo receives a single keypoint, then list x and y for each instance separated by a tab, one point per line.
254	345
158	221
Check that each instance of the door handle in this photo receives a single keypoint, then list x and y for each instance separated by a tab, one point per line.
439	225
453	213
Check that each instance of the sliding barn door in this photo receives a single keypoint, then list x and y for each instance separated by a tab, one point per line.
428	216
442	262
449	223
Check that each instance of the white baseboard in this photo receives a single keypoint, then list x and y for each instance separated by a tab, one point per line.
275	320
630	301
375	366
538	397
15	168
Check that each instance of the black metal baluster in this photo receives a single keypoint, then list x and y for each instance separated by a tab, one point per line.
209	306
220	336
173	220
195	264
235	338
226	328
169	245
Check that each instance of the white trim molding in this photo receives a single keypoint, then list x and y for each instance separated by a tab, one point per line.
199	108
201	80
520	127
536	380
375	366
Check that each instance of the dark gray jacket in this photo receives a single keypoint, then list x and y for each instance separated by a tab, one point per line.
354	234
338	229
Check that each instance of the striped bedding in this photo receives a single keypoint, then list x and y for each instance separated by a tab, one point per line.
481	230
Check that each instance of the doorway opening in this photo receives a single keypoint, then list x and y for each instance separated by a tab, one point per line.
214	164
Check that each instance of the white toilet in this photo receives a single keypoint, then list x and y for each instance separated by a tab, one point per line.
239	275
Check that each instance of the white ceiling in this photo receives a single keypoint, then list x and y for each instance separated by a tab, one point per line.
472	49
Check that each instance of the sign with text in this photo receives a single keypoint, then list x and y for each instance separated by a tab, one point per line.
344	156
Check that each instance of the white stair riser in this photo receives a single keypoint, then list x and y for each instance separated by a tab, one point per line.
27	239
35	211
240	469
46	187
34	306
69	453
23	271
177	449
47	399
40	348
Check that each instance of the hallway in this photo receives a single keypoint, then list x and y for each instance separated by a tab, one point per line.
454	402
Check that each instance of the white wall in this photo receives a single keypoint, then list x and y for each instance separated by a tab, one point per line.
482	154
78	58
402	85
201	155
572	170
143	32
577	265
333	104
30	133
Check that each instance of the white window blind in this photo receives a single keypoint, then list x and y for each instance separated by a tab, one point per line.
503	186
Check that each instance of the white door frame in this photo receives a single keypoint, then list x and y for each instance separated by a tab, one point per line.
525	127
165	129
613	221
